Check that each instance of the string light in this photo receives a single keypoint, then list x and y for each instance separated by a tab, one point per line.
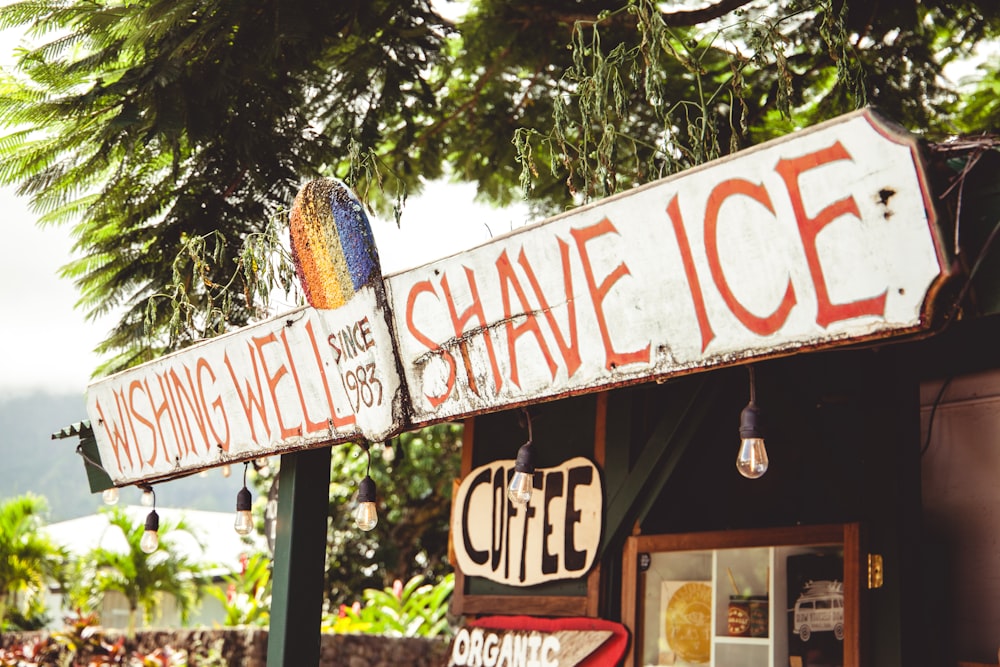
366	514
244	519
150	541
146	499
110	496
752	458
519	489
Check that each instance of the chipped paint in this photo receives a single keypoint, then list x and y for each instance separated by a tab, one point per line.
824	238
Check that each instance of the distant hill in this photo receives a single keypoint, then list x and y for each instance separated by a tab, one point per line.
32	461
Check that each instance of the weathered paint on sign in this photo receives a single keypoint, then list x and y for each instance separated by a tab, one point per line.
311	377
555	536
511	641
477	647
819	239
296	381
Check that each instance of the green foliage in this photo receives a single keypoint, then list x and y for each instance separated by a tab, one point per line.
173	135
149	124
650	93
29	560
247	598
142	578
413	475
416	609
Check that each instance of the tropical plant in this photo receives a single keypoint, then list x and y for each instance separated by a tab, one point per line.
140	577
247	596
170	134
413	474
29	560
414	609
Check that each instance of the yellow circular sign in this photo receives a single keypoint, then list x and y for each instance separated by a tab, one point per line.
689	619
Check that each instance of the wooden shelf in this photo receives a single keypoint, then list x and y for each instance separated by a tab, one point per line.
677	588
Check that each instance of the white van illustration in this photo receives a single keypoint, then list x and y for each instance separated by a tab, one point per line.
820	608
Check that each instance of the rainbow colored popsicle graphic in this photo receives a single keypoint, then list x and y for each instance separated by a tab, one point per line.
332	243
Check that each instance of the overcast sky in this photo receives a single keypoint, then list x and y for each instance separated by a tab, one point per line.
46	344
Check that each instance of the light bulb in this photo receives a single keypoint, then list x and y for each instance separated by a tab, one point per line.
519	489
366	515
146	499
244	522
226	470
752	459
244	519
150	540
110	496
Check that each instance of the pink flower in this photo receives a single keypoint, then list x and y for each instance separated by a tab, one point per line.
397	589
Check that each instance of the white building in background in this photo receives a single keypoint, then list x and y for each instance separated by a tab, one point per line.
220	551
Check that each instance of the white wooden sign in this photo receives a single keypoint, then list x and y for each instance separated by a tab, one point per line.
823	238
819	239
555	536
300	380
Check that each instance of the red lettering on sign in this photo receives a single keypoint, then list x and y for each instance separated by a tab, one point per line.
411	299
311	426
336	419
134	386
201	367
762	326
251	399
598	293
185	404
180	437
272	384
475	310
115	432
507	281
161	408
570	352
809	228
674	213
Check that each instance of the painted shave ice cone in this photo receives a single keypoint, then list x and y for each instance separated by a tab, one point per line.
332	243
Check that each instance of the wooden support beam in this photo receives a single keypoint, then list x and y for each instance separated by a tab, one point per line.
658	458
299	558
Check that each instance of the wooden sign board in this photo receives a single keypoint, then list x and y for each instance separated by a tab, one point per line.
534	642
555	536
297	381
822	238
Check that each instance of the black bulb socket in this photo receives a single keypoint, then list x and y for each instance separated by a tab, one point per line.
153	521
525	461
244	501
750	420
366	490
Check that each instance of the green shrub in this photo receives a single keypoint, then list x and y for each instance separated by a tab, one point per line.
416	609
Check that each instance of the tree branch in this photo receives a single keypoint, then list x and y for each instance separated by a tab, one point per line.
681	18
689	17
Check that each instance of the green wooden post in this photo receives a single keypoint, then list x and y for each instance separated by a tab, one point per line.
299	558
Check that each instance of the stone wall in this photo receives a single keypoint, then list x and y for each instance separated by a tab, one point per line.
247	647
